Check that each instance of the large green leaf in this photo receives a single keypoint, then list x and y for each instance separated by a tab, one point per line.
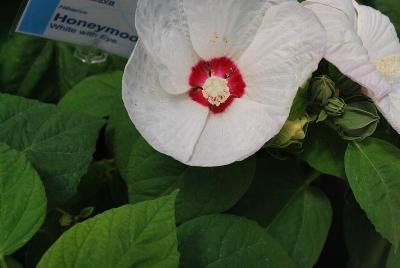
373	171
366	248
23	61
22	200
324	151
59	144
293	212
96	95
392	9
229	241
140	235
150	174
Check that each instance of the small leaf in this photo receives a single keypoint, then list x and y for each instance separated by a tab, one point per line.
96	95
59	144
141	235
294	213
150	174
86	212
373	171
228	241
22	200
324	151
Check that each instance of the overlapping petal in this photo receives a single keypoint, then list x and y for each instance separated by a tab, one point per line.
286	50
345	48
171	124
379	37
389	106
369	52
224	27
235	134
377	33
162	27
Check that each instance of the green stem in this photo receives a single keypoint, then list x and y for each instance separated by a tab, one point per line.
313	176
3	263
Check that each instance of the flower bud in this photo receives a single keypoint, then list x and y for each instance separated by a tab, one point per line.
322	89
291	132
65	220
335	107
359	121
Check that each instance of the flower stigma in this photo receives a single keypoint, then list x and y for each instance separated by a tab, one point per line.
216	90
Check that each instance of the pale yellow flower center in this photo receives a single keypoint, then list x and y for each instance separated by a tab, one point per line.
216	90
390	68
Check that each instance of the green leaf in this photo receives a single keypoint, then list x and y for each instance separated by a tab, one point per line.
96	95
71	70
373	171
324	151
23	61
59	144
141	235
366	248
294	213
391	8
22	200
228	241
150	174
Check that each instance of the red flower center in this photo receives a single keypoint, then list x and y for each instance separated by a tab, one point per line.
216	83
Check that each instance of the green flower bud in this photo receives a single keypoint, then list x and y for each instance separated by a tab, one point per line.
335	107
65	220
322	89
291	132
359	121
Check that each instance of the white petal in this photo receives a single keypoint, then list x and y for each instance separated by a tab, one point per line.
162	27
345	6
236	134
224	27
170	123
345	48
377	33
389	106
286	50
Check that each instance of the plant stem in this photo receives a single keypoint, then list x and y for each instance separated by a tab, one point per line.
3	263
313	176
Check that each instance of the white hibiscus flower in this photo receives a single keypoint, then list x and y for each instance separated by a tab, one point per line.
363	44
211	81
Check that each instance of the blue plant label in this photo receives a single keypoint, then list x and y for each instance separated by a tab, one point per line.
105	24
